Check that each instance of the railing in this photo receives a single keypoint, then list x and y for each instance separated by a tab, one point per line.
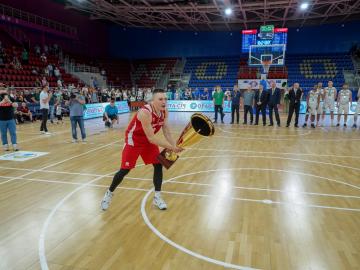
32	18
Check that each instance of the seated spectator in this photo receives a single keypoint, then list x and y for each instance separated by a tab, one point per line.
57	72
34	71
43	58
29	97
111	114
44	82
23	113
15	63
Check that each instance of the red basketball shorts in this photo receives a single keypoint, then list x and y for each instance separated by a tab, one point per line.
130	154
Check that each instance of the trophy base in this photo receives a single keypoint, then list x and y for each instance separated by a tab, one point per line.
167	158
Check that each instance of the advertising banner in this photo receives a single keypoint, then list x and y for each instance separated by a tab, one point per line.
97	109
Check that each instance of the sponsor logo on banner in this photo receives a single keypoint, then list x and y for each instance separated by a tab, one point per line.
195	106
22	155
97	109
243	84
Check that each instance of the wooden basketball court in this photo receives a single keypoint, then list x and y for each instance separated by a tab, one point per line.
248	198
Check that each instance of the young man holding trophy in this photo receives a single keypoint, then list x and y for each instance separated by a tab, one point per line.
140	140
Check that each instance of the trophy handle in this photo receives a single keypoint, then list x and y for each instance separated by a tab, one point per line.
163	158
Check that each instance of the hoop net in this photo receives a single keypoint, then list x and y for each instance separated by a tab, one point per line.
266	66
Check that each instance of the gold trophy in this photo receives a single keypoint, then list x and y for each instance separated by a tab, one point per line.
200	126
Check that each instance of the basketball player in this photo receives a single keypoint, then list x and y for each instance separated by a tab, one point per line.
140	140
319	111
357	112
329	101
313	102
344	100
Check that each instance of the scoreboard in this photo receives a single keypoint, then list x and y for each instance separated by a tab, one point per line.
268	35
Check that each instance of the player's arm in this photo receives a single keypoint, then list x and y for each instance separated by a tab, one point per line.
166	130
145	119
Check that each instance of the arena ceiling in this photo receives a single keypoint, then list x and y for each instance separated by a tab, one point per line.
210	14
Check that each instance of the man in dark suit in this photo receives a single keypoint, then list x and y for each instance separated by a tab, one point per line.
274	102
295	95
261	100
235	104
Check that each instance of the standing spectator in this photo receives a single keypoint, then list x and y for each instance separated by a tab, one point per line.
76	107
95	83
50	69
148	95
205	94
196	94
58	109
44	107
235	104
25	57
218	99
59	84
52	102
274	103
94	96
295	95
37	50
261	99
7	121
248	104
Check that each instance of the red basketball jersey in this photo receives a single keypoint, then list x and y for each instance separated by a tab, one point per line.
135	134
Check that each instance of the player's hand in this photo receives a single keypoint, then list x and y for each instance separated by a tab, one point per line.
177	149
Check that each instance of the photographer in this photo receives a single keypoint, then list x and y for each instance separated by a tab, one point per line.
7	121
76	107
111	114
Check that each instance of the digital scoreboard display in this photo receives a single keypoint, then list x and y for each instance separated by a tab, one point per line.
268	35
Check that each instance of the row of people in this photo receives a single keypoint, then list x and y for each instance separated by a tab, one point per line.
319	100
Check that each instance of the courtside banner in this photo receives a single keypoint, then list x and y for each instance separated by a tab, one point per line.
195	106
352	108
243	84
97	109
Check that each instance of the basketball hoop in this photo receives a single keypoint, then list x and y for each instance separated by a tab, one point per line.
266	65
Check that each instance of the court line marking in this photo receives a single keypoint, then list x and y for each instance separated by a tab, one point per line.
258	135
42	254
59	162
191	182
267	152
198	255
41	250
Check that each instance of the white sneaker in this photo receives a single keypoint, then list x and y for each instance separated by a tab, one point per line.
6	147
74	141
84	140
15	147
42	132
160	203
105	203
